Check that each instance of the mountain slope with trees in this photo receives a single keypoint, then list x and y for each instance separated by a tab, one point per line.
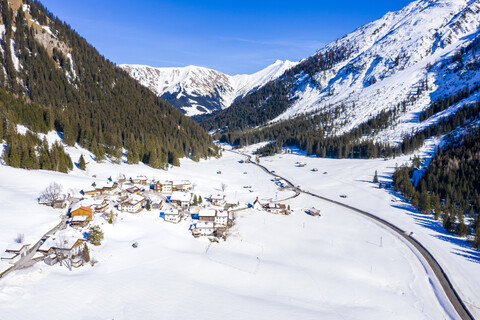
58	81
400	64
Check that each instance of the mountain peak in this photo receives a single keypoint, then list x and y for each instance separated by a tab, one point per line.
198	90
410	57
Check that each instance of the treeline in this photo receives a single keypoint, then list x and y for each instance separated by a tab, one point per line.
445	125
440	104
309	133
78	92
29	152
314	133
450	186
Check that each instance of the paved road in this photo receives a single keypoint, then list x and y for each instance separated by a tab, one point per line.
27	260
443	279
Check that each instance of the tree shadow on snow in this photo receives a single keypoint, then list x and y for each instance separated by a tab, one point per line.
471	255
464	248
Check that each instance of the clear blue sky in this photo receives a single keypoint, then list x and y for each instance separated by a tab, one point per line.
230	36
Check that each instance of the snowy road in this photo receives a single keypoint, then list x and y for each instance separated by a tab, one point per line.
438	271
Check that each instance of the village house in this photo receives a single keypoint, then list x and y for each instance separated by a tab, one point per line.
100	205
257	205
62	245
221	218
218	200
172	215
156	204
205	228
277	208
163	186
207	215
80	221
92	192
139	180
59	203
180	198
9	257
194	211
182	185
133	204
109	189
15	252
134	190
313	211
80	210
121	178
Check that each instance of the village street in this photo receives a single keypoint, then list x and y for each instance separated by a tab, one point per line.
28	260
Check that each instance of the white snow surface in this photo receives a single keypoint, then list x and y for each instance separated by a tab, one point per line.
197	81
16	62
337	266
353	177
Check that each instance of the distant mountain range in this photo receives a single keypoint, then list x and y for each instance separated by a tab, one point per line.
198	90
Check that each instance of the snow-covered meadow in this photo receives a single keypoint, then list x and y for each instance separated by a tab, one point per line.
339	265
353	178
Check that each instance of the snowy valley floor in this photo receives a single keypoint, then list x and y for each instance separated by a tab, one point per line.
337	266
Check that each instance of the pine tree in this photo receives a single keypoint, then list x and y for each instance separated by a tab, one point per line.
200	200
85	253
448	222
13	157
110	217
462	230
148	205
81	163
95	235
195	201
437	207
476	237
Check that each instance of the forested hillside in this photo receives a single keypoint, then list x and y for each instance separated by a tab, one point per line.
381	89
272	99
53	79
449	188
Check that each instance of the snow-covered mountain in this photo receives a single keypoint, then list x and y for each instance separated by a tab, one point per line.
422	52
199	90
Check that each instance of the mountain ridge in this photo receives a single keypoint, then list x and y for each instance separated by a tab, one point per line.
410	57
199	90
53	79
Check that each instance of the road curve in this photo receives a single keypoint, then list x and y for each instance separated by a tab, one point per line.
442	277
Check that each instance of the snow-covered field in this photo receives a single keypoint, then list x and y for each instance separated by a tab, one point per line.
337	266
354	177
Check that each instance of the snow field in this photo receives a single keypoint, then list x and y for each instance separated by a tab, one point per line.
354	177
339	265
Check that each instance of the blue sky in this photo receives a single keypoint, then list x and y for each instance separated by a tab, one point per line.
230	36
